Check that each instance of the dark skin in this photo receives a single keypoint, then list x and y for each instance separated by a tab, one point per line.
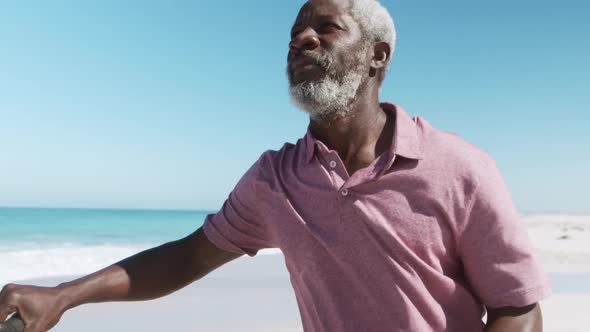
326	26
359	140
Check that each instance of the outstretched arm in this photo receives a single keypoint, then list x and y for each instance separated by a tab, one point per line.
147	275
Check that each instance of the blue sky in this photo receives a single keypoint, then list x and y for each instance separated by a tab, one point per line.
144	104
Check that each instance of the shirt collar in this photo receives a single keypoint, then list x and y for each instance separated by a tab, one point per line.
406	138
406	141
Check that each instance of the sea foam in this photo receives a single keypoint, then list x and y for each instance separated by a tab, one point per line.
25	262
68	259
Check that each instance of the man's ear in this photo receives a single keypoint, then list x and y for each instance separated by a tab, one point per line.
381	54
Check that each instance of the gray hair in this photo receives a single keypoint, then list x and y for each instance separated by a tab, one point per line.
375	21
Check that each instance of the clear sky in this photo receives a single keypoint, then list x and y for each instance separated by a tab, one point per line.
145	104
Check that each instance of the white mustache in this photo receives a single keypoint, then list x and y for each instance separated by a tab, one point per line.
323	60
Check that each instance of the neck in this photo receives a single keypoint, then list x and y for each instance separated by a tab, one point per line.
360	137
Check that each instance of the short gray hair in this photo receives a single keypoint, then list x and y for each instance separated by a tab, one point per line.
375	21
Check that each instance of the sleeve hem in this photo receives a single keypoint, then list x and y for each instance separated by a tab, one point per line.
218	240
520	297
222	243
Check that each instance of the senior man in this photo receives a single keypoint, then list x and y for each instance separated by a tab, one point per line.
386	223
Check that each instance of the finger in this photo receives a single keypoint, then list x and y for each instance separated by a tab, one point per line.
5	312
5	296
5	290
7	306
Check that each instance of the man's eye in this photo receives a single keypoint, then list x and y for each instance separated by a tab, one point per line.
329	26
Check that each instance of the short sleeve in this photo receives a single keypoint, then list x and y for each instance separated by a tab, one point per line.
240	225
496	253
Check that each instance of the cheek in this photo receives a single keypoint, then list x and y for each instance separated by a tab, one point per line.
350	51
351	59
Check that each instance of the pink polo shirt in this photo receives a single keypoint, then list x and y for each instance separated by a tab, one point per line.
420	240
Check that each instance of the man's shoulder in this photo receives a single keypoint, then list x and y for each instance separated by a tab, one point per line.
452	151
272	160
287	150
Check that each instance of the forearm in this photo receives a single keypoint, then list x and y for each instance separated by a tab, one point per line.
525	319
150	274
512	325
147	275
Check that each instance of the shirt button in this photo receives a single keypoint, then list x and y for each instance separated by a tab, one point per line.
344	192
333	164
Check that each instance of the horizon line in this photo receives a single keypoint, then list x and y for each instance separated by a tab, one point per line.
107	208
521	213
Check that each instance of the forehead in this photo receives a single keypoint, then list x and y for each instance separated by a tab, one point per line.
314	8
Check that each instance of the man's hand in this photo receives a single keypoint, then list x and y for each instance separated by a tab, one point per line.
41	308
515	319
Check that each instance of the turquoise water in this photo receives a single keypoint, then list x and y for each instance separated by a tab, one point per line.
95	226
37	243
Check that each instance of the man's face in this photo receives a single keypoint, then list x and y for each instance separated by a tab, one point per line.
327	60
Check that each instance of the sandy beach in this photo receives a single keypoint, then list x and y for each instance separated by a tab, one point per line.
254	294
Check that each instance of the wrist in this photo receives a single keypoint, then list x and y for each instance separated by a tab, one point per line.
66	298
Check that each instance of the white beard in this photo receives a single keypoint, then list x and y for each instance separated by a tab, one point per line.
331	96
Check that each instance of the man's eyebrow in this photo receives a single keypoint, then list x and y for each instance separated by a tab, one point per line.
328	18
321	18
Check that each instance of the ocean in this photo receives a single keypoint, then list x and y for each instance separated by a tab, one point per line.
45	243
39	243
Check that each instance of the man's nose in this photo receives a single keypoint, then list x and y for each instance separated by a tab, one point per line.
304	41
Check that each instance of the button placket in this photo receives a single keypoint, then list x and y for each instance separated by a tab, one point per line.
333	164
